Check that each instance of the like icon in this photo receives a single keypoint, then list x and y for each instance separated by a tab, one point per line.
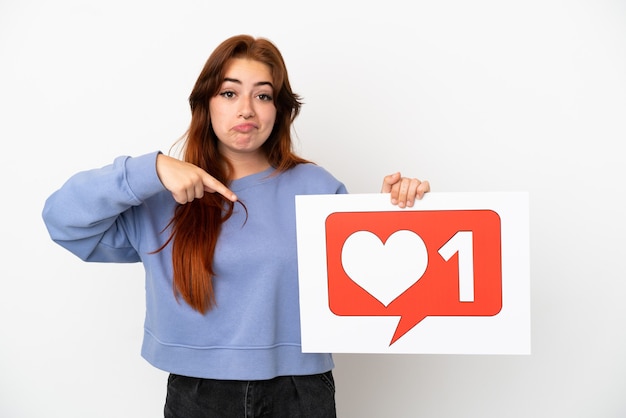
454	267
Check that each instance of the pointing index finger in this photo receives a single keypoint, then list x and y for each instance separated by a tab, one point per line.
214	186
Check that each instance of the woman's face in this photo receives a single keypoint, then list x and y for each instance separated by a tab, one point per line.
243	111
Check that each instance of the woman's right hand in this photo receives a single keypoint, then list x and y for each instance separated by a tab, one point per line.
187	182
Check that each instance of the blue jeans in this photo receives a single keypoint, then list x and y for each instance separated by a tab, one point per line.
310	396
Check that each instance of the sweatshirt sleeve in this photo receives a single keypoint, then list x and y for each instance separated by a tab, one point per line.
92	215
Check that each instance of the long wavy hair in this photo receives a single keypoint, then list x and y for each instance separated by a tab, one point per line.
197	224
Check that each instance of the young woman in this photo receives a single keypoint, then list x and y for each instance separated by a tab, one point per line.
216	234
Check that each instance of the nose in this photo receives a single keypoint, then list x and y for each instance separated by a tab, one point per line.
246	110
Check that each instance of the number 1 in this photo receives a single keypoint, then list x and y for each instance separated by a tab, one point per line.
462	243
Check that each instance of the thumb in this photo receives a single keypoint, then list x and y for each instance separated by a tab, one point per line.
389	181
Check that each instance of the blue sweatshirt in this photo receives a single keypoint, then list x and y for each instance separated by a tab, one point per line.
119	213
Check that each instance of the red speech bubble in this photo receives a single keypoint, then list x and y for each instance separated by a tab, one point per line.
454	267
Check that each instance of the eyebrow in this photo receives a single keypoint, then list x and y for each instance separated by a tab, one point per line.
260	83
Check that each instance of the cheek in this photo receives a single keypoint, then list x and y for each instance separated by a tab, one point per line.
271	118
216	114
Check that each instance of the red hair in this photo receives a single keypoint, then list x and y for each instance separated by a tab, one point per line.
196	225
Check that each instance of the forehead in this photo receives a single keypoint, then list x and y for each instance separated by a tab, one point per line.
247	70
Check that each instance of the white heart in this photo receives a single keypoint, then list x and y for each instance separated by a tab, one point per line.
384	270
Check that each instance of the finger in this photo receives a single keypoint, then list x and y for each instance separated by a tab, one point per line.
194	187
407	192
412	192
190	194
389	181
423	188
403	191
214	186
198	190
181	197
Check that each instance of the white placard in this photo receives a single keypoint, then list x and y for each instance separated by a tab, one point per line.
449	276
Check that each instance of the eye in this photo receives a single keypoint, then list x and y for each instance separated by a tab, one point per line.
228	94
265	97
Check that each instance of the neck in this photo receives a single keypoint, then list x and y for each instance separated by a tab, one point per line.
245	165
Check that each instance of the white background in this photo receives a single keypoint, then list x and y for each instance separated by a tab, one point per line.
472	95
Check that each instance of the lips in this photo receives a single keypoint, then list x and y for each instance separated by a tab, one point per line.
244	127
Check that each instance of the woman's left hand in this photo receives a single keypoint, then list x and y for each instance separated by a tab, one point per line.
404	190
